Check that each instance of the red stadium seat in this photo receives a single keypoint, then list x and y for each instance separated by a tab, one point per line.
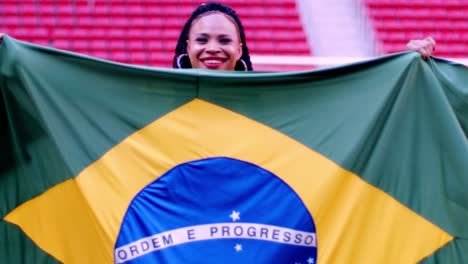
139	58
47	21
45	10
138	23
61	44
80	46
103	22
11	21
117	46
10	9
98	45
99	54
120	56
117	34
136	45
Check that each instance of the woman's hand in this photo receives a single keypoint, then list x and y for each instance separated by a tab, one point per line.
424	46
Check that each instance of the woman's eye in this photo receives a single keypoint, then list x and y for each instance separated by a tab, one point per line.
225	40
202	40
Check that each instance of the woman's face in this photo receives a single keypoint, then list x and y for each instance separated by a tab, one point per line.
214	43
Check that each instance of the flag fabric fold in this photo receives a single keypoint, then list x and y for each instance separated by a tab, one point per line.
103	162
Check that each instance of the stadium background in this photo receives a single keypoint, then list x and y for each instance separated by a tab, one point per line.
281	34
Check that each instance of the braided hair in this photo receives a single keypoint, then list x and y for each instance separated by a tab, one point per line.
181	48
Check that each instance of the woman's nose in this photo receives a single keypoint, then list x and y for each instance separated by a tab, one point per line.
212	46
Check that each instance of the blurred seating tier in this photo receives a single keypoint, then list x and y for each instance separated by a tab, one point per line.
144	31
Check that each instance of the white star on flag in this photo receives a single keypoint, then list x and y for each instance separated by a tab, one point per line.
235	216
238	247
310	260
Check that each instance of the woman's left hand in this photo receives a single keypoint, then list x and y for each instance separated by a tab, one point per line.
424	46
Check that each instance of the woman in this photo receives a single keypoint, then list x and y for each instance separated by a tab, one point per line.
213	38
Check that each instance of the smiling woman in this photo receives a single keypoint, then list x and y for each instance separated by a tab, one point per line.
213	38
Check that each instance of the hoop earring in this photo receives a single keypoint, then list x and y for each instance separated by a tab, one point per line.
244	64
179	60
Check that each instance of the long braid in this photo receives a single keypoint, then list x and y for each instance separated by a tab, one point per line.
181	47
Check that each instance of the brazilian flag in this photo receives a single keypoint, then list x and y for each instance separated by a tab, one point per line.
103	162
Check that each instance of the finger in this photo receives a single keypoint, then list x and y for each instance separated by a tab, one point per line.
430	40
432	43
412	45
423	52
427	48
431	49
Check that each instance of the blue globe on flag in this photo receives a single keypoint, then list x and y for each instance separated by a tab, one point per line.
217	210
